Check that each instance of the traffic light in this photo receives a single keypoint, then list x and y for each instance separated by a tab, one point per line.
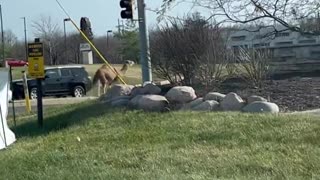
127	12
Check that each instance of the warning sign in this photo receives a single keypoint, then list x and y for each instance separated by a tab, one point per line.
36	60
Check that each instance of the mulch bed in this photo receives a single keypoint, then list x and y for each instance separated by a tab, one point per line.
295	94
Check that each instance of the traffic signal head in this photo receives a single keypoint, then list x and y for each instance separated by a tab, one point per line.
127	12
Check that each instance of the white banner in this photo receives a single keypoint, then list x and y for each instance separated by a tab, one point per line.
7	137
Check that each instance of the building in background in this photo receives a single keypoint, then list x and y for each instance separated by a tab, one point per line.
292	52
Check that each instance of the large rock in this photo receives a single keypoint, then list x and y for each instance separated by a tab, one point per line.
134	102
117	90
254	98
214	96
151	89
147	89
117	98
261	107
136	91
209	105
192	104
181	94
149	102
120	103
232	102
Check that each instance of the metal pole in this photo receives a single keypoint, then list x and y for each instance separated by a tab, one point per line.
109	31
119	26
107	40
12	99
65	36
25	38
39	103
2	38
39	97
144	43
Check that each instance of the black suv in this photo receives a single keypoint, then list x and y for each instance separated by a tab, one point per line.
59	81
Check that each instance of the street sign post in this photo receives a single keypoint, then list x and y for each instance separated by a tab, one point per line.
36	70
36	60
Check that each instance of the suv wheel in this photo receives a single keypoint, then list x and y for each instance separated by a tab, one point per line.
78	91
33	93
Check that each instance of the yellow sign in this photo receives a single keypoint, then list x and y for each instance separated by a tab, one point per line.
35	60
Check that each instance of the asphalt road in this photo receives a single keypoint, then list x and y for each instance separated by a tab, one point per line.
20	107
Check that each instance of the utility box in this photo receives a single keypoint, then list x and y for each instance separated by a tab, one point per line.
86	53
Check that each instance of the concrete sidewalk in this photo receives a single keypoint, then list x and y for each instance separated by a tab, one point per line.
315	112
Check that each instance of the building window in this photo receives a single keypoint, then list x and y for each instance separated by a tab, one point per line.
284	43
282	34
261	45
258	36
315	54
307	41
238	38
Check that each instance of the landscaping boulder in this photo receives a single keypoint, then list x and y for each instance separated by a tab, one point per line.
151	89
261	107
214	96
209	105
254	98
232	102
136	91
120	103
117	98
134	102
192	104
181	94
149	102
117	90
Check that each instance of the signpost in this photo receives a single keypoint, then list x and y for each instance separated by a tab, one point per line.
35	60
36	70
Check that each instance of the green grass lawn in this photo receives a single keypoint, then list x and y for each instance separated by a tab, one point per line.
92	141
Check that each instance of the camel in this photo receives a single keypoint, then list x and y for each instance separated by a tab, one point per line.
106	76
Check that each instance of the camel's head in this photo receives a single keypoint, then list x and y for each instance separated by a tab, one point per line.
129	62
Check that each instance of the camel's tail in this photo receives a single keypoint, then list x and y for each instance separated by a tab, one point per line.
95	78
97	75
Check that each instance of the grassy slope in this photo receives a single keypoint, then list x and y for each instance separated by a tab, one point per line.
120	144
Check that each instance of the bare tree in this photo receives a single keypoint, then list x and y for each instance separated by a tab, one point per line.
254	65
214	59
10	41
109	48
261	13
52	38
18	51
192	51
72	52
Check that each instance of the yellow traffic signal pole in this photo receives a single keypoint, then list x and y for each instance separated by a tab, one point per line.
26	92
93	46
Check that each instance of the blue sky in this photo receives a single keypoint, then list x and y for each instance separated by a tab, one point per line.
103	14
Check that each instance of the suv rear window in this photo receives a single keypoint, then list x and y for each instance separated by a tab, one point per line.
66	72
78	72
52	73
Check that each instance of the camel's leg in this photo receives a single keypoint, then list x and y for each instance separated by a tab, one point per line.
99	88
104	88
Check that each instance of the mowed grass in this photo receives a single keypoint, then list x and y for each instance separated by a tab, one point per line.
92	141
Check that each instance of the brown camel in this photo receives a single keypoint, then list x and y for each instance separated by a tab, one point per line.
106	76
